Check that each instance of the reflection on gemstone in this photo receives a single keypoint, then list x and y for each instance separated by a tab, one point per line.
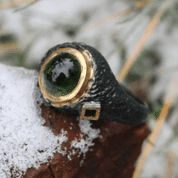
61	74
63	67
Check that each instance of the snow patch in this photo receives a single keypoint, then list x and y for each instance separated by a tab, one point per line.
84	144
24	141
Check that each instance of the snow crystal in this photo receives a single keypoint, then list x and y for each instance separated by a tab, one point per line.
24	141
84	144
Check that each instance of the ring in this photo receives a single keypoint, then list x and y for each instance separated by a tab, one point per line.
76	79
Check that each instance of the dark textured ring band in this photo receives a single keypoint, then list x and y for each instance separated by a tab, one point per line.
76	78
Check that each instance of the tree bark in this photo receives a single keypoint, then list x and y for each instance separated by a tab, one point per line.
113	155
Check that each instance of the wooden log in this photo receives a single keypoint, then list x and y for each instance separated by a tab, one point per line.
113	155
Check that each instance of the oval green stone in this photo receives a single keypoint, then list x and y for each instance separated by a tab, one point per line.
61	74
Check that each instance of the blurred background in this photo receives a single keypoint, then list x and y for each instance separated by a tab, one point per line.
114	27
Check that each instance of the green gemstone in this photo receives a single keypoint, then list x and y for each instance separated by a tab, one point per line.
61	74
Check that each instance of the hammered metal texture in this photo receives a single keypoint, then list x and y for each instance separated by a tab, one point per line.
117	103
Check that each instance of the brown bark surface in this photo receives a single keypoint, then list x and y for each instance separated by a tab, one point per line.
113	156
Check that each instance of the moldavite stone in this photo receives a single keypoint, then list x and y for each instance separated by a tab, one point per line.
61	74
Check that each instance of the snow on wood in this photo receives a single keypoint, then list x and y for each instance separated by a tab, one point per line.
25	142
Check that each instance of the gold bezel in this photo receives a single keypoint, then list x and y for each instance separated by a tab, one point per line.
95	118
80	89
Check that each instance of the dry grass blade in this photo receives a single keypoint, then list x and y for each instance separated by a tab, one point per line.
15	3
107	19
139	5
170	164
149	29
142	3
164	111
